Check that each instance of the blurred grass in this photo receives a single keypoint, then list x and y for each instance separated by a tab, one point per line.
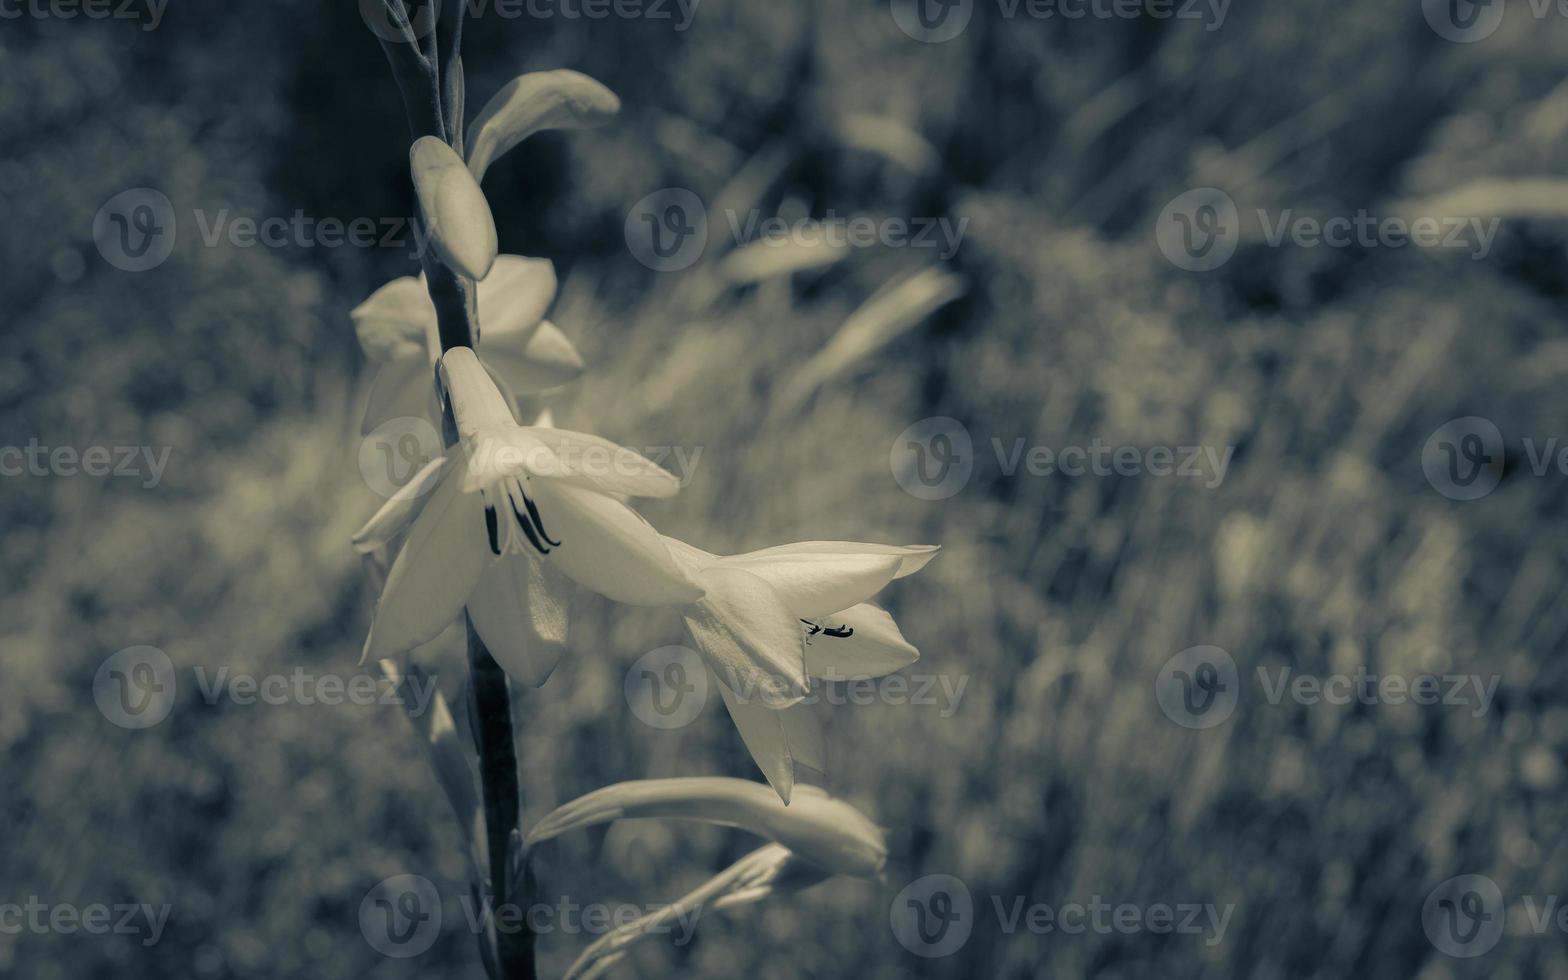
1058	599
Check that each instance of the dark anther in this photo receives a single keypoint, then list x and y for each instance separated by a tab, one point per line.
528	529
492	528
534	513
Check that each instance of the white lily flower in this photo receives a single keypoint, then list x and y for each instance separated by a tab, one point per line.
523	352
490	525
772	619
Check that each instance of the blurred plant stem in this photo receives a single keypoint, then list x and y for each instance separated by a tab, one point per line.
508	954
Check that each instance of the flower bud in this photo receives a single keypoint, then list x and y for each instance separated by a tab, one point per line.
456	214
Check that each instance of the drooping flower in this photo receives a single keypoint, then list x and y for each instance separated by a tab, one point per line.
491	522
523	352
771	620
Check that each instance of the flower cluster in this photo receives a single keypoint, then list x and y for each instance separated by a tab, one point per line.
514	515
500	529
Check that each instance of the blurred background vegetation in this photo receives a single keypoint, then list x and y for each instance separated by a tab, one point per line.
1057	598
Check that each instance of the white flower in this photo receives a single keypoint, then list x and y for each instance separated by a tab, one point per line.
489	524
769	620
524	352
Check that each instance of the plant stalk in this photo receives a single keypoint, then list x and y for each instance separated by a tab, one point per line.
418	75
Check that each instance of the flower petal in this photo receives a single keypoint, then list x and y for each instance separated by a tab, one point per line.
397	320
533	360
748	637
763	732
559	99
597	463
873	648
401	508
807	742
914	556
403	389
608	547
815	583
477	404
519	610
513	298
435	572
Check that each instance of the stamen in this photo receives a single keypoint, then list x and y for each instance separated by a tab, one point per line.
538	522
492	528
528	529
839	632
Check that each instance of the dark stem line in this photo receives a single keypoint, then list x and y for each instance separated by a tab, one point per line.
493	737
419	80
